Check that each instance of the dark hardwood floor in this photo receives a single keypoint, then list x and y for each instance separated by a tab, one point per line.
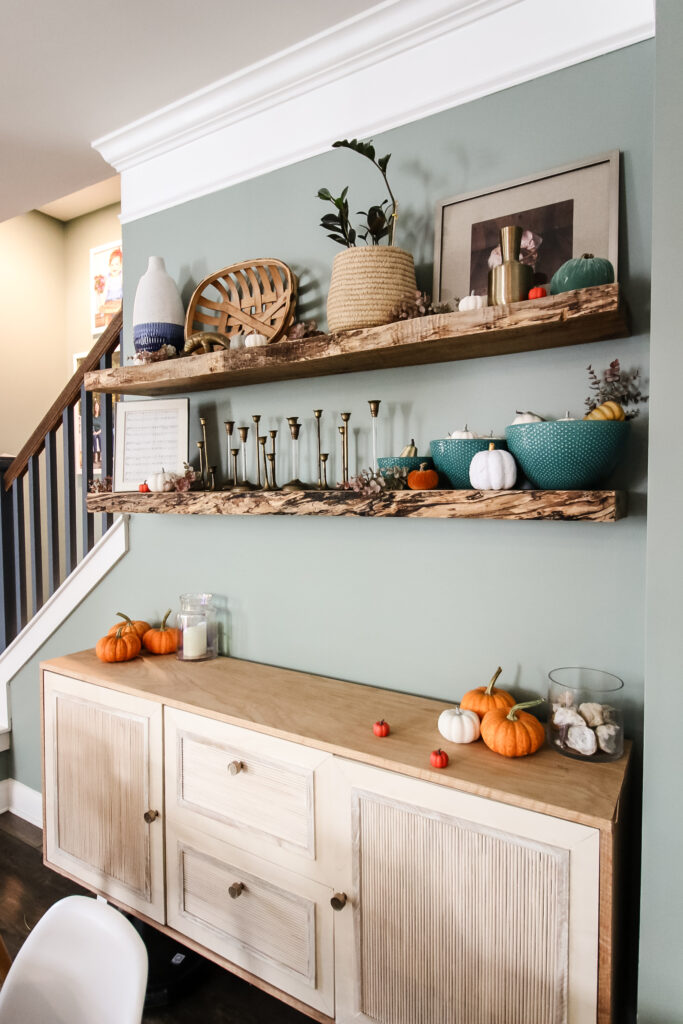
28	889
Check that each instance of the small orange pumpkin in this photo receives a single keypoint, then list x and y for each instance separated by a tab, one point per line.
137	626
423	479
515	733
488	698
163	640
121	646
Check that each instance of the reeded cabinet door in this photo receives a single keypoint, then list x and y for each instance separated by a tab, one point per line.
463	910
103	774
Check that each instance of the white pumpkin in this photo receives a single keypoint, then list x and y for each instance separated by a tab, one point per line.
526	417
236	342
459	435
473	301
458	725
255	340
161	481
493	470
567	418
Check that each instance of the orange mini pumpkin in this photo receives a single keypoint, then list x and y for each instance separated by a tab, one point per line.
515	733
163	640
488	698
137	626
121	646
423	479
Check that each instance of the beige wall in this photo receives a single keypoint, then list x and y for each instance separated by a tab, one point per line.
32	324
44	311
80	236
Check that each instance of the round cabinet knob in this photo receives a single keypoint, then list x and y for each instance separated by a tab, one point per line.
338	901
236	889
235	767
150	816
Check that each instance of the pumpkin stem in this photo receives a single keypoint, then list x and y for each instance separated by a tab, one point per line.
423	466
491	446
512	717
588	256
495	675
122	615
163	625
119	631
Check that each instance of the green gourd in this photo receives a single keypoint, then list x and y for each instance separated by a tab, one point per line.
584	272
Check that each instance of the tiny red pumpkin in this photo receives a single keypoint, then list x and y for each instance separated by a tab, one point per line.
438	759
537	293
144	488
423	479
381	728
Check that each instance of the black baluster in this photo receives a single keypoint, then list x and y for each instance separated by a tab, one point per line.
52	510
87	475
35	534
8	625
106	438
71	554
19	537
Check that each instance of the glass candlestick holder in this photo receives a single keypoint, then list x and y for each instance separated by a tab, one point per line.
198	640
295	483
244	484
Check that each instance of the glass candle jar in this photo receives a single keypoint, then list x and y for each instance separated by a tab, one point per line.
585	720
197	625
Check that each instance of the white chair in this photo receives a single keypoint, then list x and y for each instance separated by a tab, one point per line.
83	963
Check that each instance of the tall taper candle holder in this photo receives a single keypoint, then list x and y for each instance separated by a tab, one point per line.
342	433
212	478
295	483
374	412
324	456
229	425
271	464
205	477
200	478
346	416
257	420
244	484
318	413
262	442
234	453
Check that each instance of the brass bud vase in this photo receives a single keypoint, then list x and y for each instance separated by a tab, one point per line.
511	281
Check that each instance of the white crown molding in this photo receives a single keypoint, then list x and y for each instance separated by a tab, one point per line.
111	547
398	62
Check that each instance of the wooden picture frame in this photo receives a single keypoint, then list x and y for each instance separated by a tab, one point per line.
565	212
149	437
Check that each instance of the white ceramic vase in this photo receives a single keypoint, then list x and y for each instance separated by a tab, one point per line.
158	314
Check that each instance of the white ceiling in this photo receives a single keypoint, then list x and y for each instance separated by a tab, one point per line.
74	70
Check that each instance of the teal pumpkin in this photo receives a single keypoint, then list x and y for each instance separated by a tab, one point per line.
584	272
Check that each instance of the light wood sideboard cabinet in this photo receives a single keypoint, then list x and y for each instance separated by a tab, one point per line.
334	869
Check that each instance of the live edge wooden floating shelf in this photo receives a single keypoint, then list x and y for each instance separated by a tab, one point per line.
572	318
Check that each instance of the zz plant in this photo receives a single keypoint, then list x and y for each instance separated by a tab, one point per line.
380	221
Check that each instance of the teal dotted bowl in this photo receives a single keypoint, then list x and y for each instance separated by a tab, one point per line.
452	457
568	455
408	462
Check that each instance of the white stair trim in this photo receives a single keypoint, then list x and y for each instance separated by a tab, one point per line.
111	547
21	800
397	62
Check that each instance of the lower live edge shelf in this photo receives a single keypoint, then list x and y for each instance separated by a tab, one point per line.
594	506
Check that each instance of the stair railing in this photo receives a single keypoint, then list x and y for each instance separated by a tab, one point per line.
42	496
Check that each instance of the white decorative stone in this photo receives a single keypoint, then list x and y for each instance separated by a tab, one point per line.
158	313
592	713
582	739
567	716
609	738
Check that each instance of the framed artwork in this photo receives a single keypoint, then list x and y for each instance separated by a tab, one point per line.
563	213
106	284
96	425
149	436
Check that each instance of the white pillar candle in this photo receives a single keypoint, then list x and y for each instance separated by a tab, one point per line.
194	641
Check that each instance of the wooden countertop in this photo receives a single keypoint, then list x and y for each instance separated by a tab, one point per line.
337	716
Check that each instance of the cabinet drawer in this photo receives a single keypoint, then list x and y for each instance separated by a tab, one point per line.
247	788
276	925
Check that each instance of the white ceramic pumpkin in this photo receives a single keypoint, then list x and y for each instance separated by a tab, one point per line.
526	417
566	418
493	470
161	481
458	725
459	435
255	340
473	301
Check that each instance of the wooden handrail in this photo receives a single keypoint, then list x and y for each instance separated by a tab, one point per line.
68	397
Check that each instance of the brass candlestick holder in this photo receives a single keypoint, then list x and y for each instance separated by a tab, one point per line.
212	478
318	413
244	484
374	412
234	453
257	420
344	431
205	474
271	461
324	456
295	483
200	479
229	425
262	442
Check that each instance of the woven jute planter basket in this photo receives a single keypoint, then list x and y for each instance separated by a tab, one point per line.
366	284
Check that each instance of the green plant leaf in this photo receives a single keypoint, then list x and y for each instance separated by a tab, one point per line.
324	193
383	161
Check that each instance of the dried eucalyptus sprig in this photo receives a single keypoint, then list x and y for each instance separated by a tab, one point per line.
616	385
420	305
100	485
370	484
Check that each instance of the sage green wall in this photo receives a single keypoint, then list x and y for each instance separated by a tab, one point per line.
424	606
661	951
